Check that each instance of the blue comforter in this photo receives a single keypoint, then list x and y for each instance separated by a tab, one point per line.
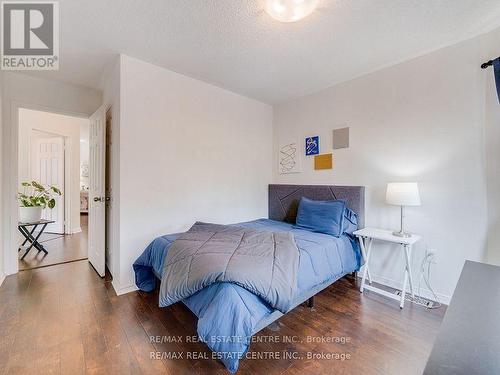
227	313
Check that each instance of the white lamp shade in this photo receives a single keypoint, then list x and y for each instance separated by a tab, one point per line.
403	194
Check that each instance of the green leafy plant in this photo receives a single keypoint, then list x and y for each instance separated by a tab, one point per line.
36	195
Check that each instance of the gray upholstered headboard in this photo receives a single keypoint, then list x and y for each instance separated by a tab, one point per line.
284	199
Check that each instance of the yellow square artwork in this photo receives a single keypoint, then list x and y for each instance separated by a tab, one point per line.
324	161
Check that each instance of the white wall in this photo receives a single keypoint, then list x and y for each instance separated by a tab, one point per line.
491	49
188	151
22	91
31	121
422	120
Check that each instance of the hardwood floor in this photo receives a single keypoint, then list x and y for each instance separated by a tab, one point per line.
64	319
61	248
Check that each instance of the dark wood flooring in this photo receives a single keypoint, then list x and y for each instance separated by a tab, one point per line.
61	248
64	319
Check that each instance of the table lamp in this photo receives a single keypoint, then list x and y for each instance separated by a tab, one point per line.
402	194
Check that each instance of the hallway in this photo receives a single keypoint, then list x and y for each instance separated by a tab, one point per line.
61	248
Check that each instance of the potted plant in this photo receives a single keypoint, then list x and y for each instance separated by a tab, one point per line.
34	198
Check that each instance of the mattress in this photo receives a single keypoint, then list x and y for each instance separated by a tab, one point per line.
229	315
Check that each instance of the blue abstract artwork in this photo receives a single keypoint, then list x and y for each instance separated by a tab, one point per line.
312	145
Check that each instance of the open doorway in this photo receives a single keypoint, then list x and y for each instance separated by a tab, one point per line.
53	152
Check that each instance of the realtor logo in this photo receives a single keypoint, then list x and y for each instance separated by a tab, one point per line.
30	35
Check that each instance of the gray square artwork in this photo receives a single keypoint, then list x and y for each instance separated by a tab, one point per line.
340	138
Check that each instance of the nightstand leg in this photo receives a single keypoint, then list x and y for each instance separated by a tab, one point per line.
408	267
366	257
408	275
403	291
368	269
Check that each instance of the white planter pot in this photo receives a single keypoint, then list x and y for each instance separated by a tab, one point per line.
30	214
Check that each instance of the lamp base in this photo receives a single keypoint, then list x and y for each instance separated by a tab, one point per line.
401	234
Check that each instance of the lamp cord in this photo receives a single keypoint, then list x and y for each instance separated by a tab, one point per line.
425	274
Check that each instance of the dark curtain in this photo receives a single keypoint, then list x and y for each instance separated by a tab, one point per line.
496	68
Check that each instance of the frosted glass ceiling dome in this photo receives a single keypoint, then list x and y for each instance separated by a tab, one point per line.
290	10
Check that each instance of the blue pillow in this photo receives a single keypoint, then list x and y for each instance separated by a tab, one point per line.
321	216
350	221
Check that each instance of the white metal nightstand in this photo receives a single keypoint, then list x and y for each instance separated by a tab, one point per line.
366	237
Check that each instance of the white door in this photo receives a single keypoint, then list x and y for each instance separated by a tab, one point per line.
97	175
48	168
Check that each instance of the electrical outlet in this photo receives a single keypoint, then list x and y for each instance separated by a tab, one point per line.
430	254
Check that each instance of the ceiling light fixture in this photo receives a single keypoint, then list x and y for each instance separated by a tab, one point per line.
290	10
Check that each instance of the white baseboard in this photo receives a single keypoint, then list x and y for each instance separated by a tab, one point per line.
396	284
2	278
76	230
119	290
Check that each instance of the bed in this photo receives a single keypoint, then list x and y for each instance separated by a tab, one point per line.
228	314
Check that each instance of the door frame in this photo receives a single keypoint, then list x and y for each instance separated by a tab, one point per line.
67	225
11	264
